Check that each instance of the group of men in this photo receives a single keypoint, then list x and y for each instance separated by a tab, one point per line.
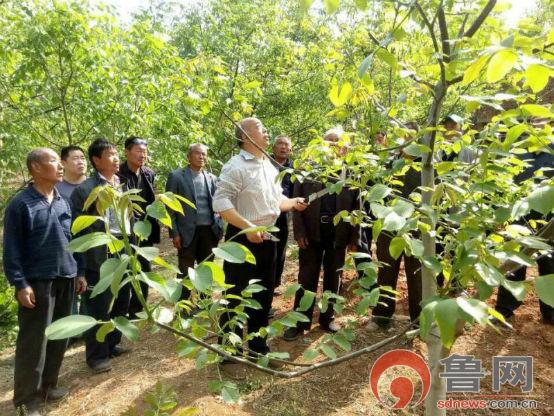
246	195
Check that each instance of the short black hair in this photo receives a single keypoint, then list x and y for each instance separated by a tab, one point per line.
133	140
64	153
98	147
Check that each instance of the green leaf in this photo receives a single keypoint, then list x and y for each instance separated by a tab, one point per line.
500	64
142	229
310	354
517	289
69	326
169	288
542	199
234	253
230	392
88	241
363	305
218	276
112	269
127	328
183	199
545	288
84	221
340	97
444	167
473	71
396	247
342	342
534	242
446	315
170	200
157	210
426	319
537	77
291	290
201	278
513	134
364	66
535	110
475	308
104	330
416	246
149	253
328	351
331	6
403	208
387	57
393	222
307	301
378	192
490	274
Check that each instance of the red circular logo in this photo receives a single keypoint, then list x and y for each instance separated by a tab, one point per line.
401	387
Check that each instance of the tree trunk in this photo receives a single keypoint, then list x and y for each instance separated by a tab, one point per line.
435	349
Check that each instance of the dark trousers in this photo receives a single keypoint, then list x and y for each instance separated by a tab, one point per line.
364	245
506	303
238	274
134	303
38	360
281	246
99	308
388	276
199	248
310	261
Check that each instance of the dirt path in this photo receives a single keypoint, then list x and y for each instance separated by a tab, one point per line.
340	390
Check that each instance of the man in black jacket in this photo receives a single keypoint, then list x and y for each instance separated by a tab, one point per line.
321	241
105	160
140	177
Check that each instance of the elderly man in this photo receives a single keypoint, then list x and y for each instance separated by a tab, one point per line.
248	196
321	241
138	176
199	230
74	165
104	158
281	153
37	226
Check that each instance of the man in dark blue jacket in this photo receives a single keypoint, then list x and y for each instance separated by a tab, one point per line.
37	226
105	160
199	230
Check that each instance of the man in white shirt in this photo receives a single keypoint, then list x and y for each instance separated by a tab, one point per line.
248	196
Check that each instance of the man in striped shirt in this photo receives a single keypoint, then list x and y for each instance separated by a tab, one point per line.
247	196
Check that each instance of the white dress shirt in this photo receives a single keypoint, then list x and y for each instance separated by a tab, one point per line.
249	185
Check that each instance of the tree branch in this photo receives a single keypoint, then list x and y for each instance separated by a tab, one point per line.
480	19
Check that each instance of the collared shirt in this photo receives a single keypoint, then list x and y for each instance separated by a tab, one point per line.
112	220
249	185
36	234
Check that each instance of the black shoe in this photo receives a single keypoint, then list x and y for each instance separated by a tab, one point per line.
54	394
119	350
331	327
291	334
101	366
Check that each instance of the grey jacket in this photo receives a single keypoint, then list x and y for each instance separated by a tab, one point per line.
180	183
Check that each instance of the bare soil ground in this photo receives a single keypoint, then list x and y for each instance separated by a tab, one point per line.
339	390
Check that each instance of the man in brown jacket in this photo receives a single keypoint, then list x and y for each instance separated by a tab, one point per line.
320	242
